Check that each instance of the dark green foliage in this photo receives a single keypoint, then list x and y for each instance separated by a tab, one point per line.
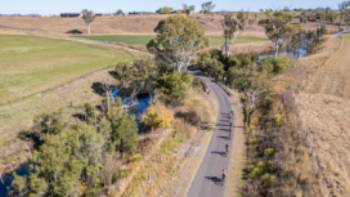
178	39
137	76
65	163
124	135
174	87
274	66
72	159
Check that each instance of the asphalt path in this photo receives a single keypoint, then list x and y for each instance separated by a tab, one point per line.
208	181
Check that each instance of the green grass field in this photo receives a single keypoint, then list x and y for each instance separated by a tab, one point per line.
32	64
143	40
346	36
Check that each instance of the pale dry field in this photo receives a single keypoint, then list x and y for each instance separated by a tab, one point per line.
326	120
120	25
321	86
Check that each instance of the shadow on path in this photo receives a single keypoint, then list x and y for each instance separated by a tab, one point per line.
216	180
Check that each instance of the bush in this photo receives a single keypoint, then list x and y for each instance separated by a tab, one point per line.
158	116
135	157
165	10
280	64
269	152
278	120
174	87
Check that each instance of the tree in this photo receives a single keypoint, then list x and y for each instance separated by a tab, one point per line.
165	10
207	7
344	8
67	164
188	9
277	29
88	17
231	26
174	87
178	39
124	135
137	76
211	66
119	13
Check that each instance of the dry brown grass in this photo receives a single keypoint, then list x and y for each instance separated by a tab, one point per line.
321	120
326	122
140	25
237	155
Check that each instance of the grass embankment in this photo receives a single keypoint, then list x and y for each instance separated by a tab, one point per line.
32	65
142	40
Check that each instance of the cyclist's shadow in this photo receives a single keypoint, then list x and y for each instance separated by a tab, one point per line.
216	180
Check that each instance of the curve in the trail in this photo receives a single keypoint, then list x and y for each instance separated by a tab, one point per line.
208	181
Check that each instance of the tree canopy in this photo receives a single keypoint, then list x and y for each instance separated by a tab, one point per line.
277	29
207	7
88	16
178	39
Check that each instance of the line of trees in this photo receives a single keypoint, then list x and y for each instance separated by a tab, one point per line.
78	159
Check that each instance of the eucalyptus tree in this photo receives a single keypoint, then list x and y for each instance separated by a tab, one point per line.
88	16
178	39
233	25
278	29
344	8
188	9
207	7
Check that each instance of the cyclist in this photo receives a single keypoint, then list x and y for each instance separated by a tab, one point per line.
223	175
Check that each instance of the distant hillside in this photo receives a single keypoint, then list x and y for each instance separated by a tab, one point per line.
110	24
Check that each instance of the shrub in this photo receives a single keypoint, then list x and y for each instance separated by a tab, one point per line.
268	178
253	141
158	116
269	152
165	10
135	157
278	120
174	87
280	64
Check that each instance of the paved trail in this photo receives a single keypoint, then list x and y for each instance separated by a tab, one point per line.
208	181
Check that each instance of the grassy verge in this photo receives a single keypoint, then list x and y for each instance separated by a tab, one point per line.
142	40
238	154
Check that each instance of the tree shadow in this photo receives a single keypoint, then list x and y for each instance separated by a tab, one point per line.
101	88
30	136
79	116
113	74
190	117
